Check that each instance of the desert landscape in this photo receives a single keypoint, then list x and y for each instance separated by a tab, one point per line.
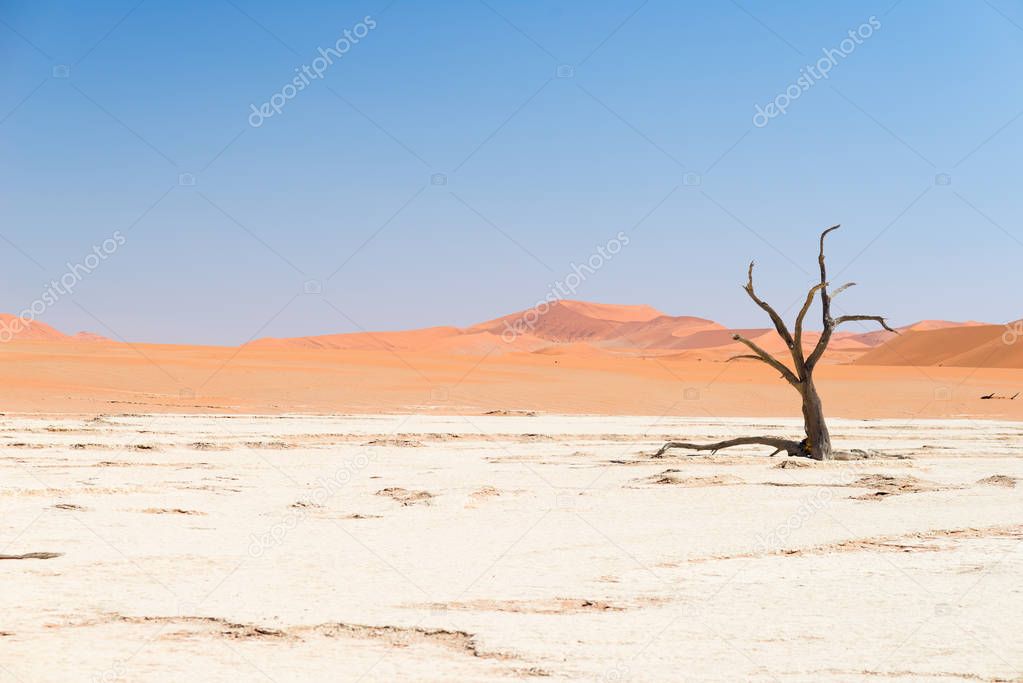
511	340
446	505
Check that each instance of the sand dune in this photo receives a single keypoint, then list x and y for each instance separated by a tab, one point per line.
614	312
610	326
13	328
17	329
967	346
878	337
569	321
570	327
592	330
589	328
614	327
665	332
1003	351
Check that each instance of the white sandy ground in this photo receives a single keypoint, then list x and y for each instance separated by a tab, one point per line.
552	548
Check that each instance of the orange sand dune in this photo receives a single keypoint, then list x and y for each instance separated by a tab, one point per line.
614	312
579	357
565	321
587	327
1004	351
562	322
972	345
13	328
614	326
16	329
580	326
878	337
665	332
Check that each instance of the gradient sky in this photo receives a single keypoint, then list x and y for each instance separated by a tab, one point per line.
540	170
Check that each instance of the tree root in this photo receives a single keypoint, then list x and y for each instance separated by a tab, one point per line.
793	448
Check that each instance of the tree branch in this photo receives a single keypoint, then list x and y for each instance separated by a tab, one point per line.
828	323
763	355
872	318
787	445
742	356
825	297
841	289
779	324
818	350
798	348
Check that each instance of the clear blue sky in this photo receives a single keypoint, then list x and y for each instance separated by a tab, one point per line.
540	169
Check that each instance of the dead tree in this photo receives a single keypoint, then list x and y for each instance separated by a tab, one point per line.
817	444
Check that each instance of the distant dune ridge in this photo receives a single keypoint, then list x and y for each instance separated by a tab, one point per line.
571	328
568	327
582	324
13	328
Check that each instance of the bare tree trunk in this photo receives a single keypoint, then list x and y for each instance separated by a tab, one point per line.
817	444
818	440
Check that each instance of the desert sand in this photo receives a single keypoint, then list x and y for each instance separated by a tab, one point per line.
575	358
93	378
479	548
